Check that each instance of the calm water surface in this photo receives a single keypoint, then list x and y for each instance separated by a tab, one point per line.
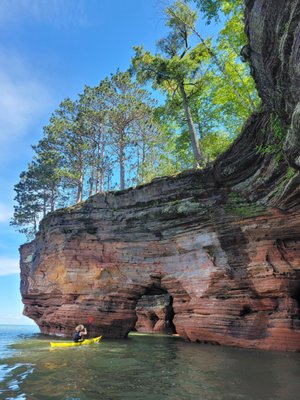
141	367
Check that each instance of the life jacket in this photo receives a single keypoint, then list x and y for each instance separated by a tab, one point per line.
77	337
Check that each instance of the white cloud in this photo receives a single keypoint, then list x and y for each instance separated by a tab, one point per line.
9	266
5	213
57	13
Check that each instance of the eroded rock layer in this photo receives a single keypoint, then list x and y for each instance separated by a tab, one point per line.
223	244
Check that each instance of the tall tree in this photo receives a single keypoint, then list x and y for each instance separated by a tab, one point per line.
144	149
127	104
49	162
209	121
227	94
93	110
176	68
67	129
237	97
233	77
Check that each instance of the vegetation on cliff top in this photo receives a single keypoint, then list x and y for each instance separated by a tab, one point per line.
116	135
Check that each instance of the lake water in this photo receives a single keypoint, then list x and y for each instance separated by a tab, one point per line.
142	367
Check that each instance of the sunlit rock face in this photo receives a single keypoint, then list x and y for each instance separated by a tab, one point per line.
222	244
273	52
273	31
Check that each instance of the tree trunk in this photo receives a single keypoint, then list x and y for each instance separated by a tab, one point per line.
92	177
44	203
35	223
222	69
108	181
102	168
122	163
143	158
201	140
80	189
52	200
193	134
219	64
138	167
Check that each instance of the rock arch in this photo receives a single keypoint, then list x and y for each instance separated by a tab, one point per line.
155	311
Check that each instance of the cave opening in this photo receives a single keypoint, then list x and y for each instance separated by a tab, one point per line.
154	311
295	294
245	310
295	311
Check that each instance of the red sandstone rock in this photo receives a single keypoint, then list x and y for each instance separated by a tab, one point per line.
233	283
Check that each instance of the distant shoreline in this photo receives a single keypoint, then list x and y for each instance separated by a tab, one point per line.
19	325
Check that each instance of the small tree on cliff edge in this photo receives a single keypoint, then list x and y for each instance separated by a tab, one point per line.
30	202
176	68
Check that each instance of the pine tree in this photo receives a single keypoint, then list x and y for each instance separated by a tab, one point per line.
30	202
128	105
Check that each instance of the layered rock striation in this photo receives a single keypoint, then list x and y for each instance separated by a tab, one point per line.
213	254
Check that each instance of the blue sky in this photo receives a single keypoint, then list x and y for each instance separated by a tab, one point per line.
49	49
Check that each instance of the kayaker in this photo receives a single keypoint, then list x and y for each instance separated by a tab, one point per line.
80	331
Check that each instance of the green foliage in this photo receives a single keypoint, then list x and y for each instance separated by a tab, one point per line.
130	123
177	71
215	144
162	158
238	99
243	208
289	175
212	8
29	198
188	19
219	89
291	172
234	88
275	146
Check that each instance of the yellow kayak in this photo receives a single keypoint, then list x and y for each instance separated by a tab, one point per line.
71	344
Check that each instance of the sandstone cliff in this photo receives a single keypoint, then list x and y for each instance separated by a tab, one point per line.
212	255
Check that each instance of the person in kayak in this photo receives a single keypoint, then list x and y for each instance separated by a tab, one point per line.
80	331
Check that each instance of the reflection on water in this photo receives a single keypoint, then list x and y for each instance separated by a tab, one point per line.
146	368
